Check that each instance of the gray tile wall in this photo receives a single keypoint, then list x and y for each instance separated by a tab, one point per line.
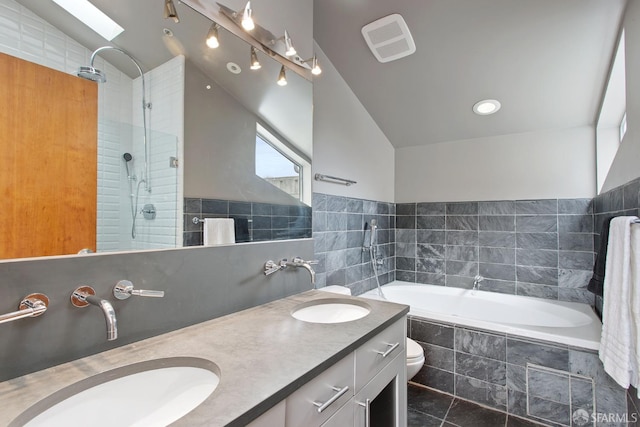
541	248
537	380
339	235
621	201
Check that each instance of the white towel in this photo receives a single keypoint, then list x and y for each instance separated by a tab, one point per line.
219	231
619	341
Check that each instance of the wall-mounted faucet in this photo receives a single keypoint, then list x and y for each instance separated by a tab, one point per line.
33	305
271	267
124	289
85	295
476	282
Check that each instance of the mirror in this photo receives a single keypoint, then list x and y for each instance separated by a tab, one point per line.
209	130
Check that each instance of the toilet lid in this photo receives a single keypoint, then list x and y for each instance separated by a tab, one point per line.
413	349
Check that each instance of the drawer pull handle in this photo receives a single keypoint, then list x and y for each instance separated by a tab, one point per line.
325	405
390	350
367	412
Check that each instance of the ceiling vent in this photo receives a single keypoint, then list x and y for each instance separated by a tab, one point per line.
389	38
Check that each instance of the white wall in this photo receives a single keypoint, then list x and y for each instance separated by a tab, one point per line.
347	142
626	165
553	164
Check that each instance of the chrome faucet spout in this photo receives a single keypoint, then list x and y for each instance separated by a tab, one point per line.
109	315
299	262
85	295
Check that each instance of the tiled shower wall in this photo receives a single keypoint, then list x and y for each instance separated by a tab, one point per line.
339	236
541	248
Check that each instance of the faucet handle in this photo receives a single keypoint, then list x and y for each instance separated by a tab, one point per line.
80	295
124	289
271	267
299	260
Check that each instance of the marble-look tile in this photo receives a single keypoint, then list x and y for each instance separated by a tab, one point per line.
336	204
336	221
418	419
405	209
498	255
537	275
438	357
481	344
497	223
499	286
405	263
210	206
356	256
538	291
516	378
574	278
355	205
548	385
497	239
575	223
430	278
482	392
517	403
537	240
461	253
461	222
504	207
435	378
576	242
428	401
431	209
481	368
630	194
576	260
537	257
575	206
513	421
319	221
430	222
462	208
432	333
431	236
355	240
319	201
406	222
467	414
523	352
406	236
462	268
369	207
459	282
589	365
355	222
536	224
576	295
582	394
382	208
430	265
406	276
336	277
353	274
193	206
336	240
406	250
497	271
539	207
429	250
335	260
462	238
550	411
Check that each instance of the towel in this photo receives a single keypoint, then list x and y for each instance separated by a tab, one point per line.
219	231
596	284
619	340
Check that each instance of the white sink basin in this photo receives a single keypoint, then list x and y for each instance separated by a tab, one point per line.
331	310
154	393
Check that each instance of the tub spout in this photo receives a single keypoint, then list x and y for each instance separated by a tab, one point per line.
476	282
85	295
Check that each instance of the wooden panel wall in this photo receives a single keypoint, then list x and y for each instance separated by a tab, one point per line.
48	172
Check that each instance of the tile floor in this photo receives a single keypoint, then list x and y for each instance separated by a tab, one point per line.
428	408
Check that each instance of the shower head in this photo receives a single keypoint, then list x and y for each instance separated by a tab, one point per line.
127	157
92	74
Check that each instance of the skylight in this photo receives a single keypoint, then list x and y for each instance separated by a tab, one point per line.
92	17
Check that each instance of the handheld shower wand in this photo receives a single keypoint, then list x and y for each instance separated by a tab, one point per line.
373	226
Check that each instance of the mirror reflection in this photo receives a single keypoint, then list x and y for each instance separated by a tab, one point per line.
187	142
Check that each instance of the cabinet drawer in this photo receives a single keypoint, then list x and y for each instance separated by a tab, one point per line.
376	353
343	418
313	403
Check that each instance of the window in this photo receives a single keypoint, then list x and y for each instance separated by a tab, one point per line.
623	126
278	164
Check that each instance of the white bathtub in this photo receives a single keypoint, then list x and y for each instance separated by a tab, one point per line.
567	323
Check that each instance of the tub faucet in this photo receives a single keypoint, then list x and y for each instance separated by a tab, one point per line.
476	282
85	295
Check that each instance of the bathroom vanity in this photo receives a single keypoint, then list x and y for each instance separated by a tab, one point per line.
274	370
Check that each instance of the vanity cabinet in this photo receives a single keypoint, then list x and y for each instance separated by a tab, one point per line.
368	383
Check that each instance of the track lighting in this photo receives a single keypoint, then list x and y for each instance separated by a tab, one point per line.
247	20
290	50
255	64
282	77
212	36
315	68
170	11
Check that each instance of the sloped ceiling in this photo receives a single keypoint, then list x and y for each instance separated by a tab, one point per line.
546	61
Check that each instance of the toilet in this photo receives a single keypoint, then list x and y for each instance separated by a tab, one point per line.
415	352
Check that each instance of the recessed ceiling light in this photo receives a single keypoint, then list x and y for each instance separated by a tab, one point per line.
233	68
486	107
92	17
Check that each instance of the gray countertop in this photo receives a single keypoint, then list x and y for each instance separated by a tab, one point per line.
263	355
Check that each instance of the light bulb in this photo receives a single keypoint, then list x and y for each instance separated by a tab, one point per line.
212	37
282	77
315	68
255	64
247	20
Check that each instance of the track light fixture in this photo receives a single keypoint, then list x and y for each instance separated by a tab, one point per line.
290	50
282	77
315	68
255	64
170	11
212	36
247	19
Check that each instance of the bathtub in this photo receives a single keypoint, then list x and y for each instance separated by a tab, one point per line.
566	323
